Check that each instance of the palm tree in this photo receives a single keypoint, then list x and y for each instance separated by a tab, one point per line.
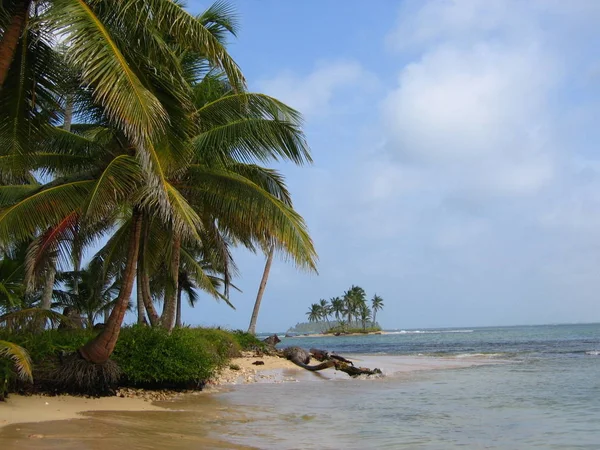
261	291
325	311
314	313
99	36
337	307
376	305
86	293
151	164
365	315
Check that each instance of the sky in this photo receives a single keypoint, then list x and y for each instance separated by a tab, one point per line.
456	168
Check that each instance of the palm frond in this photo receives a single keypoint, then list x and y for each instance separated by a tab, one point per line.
41	210
94	52
246	210
31	318
254	139
20	358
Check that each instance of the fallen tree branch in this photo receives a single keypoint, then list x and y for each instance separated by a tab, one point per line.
301	358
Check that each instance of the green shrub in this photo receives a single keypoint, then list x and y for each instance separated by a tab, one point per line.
49	342
248	341
147	357
151	357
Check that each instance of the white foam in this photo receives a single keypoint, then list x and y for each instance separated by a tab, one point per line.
479	355
428	331
593	353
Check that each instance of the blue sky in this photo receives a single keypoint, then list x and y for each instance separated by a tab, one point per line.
456	158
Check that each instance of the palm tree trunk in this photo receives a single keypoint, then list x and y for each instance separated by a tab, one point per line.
10	39
261	291
48	287
141	310
99	349
68	113
178	319
153	316
170	306
144	279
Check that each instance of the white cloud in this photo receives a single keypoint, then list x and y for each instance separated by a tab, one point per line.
312	94
473	105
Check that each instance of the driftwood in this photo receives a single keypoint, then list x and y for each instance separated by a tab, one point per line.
323	355
272	340
301	358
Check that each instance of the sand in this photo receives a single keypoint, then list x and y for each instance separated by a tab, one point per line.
37	408
243	371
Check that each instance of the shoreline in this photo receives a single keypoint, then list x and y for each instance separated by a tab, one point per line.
22	409
333	335
19	409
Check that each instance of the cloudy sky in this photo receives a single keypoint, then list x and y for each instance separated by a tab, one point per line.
457	168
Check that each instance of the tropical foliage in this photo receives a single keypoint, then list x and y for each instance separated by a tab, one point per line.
351	311
154	154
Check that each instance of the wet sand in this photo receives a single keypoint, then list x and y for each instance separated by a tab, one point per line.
190	421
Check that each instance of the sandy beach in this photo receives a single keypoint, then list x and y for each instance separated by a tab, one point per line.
39	408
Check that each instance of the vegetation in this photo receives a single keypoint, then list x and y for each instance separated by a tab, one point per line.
155	150
146	357
352	313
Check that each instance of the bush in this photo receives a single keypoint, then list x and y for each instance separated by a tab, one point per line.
151	357
147	357
49	342
248	341
47	351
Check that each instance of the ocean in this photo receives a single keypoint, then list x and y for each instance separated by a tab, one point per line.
526	387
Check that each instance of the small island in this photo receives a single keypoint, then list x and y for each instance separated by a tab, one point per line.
351	313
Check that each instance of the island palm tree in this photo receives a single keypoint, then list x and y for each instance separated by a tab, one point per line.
365	315
325	311
376	305
337	307
314	313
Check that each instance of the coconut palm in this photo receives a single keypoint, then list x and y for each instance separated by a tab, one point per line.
187	176
314	313
325	311
261	291
376	305
337	307
365	315
85	293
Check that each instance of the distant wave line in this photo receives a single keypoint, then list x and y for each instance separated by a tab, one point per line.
428	331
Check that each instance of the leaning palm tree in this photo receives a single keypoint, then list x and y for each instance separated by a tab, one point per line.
261	290
187	174
376	305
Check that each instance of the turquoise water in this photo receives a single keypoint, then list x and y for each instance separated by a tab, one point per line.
540	390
